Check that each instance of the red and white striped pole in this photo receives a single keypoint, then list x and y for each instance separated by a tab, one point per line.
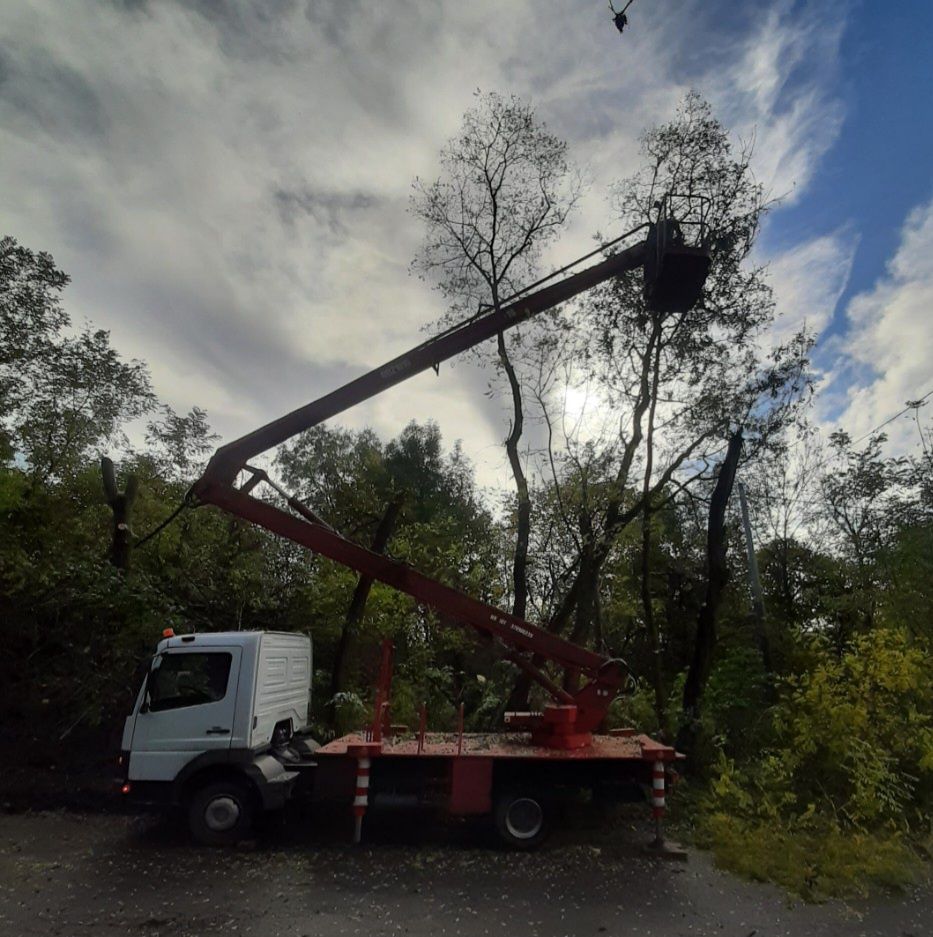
361	799
657	801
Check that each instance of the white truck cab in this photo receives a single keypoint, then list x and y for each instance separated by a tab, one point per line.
218	727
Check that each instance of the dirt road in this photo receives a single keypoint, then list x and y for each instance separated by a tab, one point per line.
71	875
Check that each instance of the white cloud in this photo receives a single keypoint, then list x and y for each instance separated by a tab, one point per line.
884	356
227	183
808	280
780	92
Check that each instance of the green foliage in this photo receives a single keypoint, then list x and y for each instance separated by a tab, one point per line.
31	316
350	712
635	709
862	725
62	396
909	566
847	779
816	861
735	711
80	397
179	444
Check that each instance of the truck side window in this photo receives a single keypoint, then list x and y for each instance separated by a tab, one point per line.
189	680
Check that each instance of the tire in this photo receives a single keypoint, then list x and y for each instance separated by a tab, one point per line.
221	813
522	819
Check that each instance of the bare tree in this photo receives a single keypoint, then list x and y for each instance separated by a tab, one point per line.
669	386
505	190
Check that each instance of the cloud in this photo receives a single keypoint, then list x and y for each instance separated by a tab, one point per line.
227	184
781	91
808	280
884	356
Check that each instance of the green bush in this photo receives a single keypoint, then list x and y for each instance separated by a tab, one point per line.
844	789
735	702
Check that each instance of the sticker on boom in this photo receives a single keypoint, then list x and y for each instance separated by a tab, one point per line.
502	620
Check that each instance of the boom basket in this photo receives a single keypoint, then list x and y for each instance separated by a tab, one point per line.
678	253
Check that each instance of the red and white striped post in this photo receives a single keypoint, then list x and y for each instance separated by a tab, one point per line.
361	799
363	752
657	802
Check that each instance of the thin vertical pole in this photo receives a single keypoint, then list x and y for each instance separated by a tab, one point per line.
422	726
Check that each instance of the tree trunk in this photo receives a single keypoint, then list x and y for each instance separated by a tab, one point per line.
518	698
587	606
717	577
522	499
657	672
360	596
120	504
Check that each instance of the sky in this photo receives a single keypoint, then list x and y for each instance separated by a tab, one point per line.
227	183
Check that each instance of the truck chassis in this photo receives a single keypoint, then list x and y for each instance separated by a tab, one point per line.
499	775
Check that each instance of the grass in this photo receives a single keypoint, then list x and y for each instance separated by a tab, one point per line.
817	863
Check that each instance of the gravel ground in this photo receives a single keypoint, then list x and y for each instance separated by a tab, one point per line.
75	874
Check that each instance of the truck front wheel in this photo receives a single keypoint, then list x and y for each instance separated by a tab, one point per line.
522	819
221	813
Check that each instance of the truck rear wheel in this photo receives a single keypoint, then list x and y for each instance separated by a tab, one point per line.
522	819
221	813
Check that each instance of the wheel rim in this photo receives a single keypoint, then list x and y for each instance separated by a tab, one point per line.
222	814
524	818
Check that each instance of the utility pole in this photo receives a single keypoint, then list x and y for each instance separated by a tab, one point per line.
754	582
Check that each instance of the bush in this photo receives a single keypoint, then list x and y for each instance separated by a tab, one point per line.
844	788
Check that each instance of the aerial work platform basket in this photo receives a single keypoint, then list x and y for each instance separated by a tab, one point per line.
678	253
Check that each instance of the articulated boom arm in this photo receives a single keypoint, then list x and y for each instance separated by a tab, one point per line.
521	638
577	714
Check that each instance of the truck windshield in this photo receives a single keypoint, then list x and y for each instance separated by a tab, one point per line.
188	680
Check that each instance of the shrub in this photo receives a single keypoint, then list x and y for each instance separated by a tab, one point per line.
844	788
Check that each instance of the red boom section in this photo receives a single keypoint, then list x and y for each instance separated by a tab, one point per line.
590	702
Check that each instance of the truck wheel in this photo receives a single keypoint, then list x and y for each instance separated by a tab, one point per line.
522	819
221	814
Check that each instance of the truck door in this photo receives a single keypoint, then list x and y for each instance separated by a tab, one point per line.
187	708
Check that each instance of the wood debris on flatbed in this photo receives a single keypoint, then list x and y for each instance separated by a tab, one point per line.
505	745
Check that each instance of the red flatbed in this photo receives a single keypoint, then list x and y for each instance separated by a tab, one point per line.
488	773
500	745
